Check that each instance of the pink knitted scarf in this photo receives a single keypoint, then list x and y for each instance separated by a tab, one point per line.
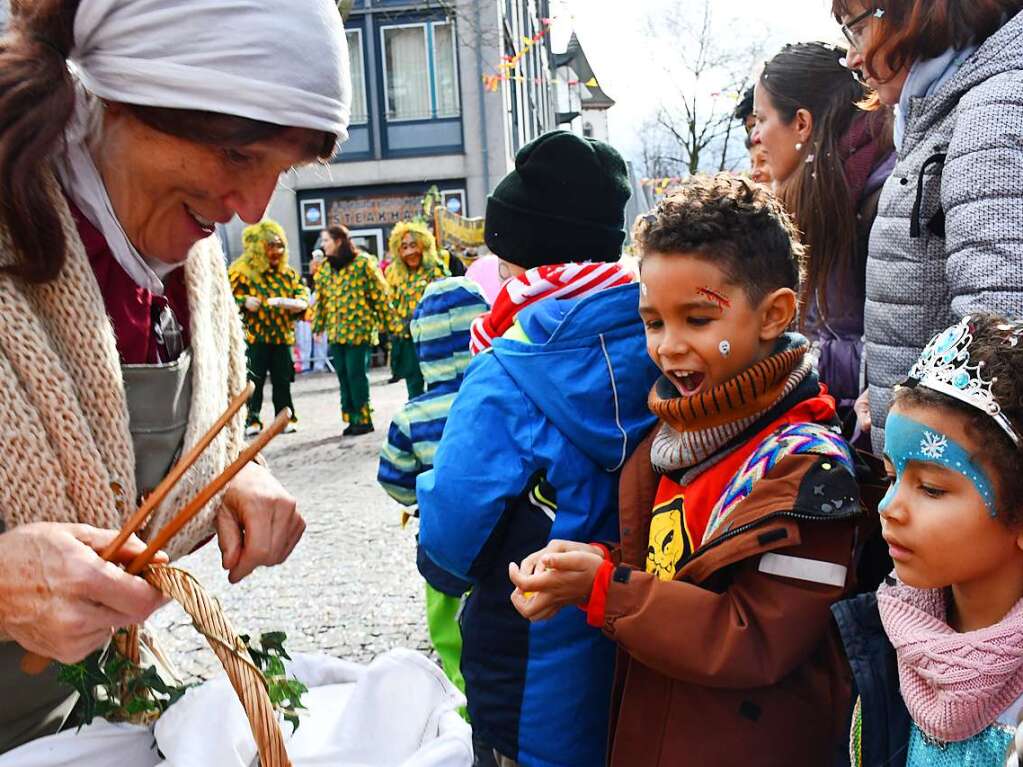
955	685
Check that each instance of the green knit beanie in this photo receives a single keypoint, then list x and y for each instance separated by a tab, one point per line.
565	201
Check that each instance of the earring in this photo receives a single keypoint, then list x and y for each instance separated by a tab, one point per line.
799	146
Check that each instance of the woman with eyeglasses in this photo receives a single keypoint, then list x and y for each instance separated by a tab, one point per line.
829	159
948	238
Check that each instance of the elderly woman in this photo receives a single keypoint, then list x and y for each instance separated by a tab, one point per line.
120	342
415	264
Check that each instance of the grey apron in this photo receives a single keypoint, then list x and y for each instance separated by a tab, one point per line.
159	399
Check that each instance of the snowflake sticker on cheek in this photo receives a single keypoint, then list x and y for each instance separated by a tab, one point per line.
725	348
906	441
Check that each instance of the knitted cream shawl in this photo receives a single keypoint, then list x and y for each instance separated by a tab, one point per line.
65	450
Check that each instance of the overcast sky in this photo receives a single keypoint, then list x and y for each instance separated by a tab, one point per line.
616	42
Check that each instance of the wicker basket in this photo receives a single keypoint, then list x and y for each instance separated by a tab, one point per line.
247	680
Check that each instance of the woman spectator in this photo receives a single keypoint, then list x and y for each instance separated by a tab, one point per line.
759	170
351	307
120	343
949	233
414	265
829	160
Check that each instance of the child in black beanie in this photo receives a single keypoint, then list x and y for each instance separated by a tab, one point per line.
532	448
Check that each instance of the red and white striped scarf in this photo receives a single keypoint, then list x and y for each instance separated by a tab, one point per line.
552	281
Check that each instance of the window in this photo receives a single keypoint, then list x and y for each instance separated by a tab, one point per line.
420	71
445	70
360	114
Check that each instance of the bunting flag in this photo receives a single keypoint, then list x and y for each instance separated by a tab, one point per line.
661	185
509	64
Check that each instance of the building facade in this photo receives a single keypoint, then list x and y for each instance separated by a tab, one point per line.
581	103
423	116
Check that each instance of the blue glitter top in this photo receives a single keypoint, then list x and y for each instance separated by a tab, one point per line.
985	749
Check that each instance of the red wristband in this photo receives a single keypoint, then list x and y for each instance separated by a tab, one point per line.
596	605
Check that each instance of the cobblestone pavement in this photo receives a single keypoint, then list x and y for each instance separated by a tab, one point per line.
350	589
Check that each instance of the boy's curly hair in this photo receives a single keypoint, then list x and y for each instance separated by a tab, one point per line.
732	221
1002	364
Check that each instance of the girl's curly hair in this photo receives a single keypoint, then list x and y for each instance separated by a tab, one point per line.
732	221
998	348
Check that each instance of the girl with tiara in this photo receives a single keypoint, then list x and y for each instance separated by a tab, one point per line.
937	652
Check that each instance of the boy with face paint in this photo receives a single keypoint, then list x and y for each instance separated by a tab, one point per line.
936	652
737	513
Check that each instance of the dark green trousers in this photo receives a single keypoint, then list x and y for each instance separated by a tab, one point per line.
349	362
275	360
406	365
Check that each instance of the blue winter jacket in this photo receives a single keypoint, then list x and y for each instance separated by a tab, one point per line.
532	451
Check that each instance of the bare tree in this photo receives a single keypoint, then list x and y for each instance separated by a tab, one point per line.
708	70
658	152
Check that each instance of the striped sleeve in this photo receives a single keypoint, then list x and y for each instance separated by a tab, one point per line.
399	466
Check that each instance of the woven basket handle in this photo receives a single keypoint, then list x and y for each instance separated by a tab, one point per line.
247	680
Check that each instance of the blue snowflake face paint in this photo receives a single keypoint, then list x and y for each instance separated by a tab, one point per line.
907	440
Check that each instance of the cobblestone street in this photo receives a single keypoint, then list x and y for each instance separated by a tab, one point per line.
350	589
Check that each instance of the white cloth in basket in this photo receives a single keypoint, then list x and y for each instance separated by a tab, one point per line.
399	711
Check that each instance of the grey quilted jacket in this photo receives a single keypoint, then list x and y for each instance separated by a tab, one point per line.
948	237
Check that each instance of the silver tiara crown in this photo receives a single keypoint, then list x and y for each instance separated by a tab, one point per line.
945	367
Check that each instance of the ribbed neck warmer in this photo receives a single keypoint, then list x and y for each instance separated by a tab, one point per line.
694	428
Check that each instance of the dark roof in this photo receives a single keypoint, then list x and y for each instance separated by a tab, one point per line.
574	58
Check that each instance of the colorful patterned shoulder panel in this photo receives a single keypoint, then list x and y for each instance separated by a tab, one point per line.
792	439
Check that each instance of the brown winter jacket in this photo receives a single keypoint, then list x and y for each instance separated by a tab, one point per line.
726	665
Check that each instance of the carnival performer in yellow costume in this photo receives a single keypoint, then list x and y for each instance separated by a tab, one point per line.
271	297
414	265
351	307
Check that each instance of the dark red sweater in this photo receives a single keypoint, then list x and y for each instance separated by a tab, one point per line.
132	310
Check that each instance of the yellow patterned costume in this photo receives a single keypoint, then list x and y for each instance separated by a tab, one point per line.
351	303
251	275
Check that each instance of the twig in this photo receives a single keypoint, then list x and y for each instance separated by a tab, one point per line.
196	505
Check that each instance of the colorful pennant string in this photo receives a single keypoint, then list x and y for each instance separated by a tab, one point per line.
509	64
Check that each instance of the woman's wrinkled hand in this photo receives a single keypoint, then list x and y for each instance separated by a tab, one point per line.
259	523
59	599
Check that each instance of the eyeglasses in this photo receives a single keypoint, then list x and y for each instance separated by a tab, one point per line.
853	29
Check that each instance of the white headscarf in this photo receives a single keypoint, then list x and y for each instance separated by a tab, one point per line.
279	61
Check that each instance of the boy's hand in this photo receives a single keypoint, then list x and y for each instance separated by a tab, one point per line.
559	575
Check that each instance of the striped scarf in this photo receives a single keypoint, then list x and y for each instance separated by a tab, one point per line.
695	428
554	281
